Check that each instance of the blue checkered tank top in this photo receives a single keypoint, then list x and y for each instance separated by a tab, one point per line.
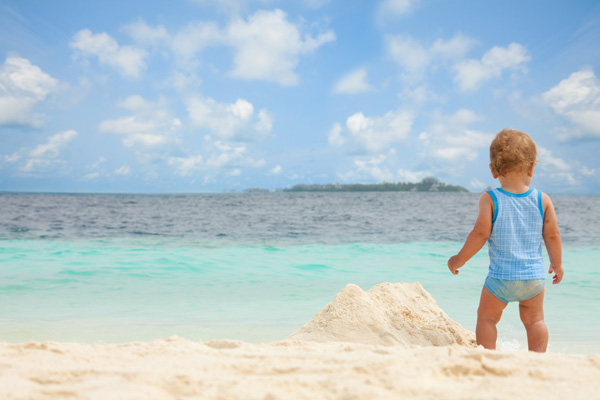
515	245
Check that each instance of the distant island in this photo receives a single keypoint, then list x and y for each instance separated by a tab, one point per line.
429	184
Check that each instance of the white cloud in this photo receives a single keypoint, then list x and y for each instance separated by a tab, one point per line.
471	74
455	154
150	125
185	166
128	60
358	122
409	53
91	176
453	130
265	121
183	82
192	39
134	130
372	135
236	121
228	153
46	155
555	167
54	144
450	140
453	124
563	177
277	170
411	176
418	95
372	167
577	99
335	137
22	87
242	109
145	34
267	47
37	164
548	161
234	155
354	82
123	170
94	168
12	158
477	184
471	139
588	171
95	165
380	168
452	49
415	58
226	157
389	9
186	44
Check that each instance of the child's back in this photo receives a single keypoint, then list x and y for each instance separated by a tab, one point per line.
513	219
515	244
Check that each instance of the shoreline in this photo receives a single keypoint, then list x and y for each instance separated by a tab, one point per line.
389	342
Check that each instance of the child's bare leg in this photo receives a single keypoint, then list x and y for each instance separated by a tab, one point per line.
532	316
488	315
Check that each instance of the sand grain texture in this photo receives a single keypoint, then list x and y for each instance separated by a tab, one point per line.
179	369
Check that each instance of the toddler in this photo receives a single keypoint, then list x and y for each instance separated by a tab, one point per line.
513	220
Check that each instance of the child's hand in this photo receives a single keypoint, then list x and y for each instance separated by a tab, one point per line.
558	274
454	264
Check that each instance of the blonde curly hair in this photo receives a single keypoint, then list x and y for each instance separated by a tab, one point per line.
512	150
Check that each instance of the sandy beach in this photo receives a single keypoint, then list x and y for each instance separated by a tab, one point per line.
389	342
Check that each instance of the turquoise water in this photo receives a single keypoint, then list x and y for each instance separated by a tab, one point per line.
142	288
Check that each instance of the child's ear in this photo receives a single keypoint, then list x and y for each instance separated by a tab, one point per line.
494	174
530	170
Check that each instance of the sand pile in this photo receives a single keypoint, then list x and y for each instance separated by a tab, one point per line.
387	314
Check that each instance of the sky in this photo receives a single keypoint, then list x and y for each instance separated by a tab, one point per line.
194	96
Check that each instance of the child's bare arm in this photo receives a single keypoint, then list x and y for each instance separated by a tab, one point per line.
478	236
552	239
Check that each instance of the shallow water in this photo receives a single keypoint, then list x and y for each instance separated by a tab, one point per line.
255	267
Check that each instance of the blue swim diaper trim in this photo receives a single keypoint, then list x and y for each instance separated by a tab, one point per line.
514	290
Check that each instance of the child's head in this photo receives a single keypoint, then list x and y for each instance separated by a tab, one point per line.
512	150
